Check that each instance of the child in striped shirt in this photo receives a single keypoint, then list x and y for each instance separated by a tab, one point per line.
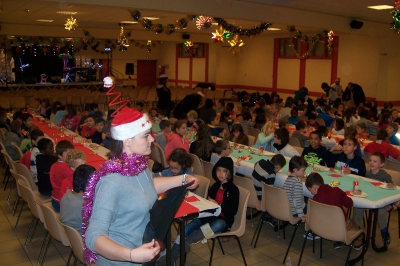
294	186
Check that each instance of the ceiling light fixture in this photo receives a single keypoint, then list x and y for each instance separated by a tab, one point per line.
380	7
128	22
66	12
273	29
151	18
45	20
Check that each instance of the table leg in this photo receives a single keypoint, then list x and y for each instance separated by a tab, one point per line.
374	247
168	247
182	241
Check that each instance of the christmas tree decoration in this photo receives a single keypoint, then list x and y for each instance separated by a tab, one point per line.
148	46
71	24
254	31
204	23
122	41
236	44
396	17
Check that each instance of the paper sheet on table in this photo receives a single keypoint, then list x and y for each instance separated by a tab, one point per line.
206	207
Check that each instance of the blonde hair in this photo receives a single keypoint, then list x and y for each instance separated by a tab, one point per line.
192	113
73	155
267	125
277	106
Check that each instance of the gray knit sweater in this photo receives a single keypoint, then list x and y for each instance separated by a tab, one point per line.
294	189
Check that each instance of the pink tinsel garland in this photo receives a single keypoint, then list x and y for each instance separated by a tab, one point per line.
125	165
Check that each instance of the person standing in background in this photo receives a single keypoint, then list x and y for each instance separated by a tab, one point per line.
164	95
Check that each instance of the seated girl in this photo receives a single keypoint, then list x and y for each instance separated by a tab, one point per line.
203	146
179	163
266	137
238	136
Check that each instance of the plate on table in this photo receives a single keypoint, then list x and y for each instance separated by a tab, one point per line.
245	157
385	187
362	195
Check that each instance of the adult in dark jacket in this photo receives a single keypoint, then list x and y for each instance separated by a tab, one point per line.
354	92
207	112
190	102
164	95
226	194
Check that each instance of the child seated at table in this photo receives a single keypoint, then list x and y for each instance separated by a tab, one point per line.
395	116
192	121
161	115
294	116
376	163
35	135
380	145
265	171
315	153
361	131
216	131
384	121
88	128
97	137
220	107
74	159
338	127
153	112
238	136
312	123
229	109
26	144
223	149
327	116
59	171
283	123
300	133
246	120
351	131
327	141
34	152
281	143
106	136
265	138
224	193
332	196
71	202
27	122
179	139
13	136
294	187
44	160
163	136
275	114
179	163
392	129
346	161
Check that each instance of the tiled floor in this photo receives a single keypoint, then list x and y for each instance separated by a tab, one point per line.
270	248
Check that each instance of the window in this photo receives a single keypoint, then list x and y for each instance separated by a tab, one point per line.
190	49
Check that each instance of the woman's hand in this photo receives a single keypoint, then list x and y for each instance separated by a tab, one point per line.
145	252
190	178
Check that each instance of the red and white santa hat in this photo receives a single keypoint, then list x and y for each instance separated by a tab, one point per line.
128	123
202	93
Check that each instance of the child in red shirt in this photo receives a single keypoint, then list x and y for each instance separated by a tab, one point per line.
88	128
74	159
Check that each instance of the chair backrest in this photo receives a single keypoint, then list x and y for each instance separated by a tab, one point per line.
204	184
54	227
75	239
251	140
239	225
246	183
16	147
246	130
151	163
392	165
321	216
254	132
8	159
395	176
276	202
298	149
303	118
320	121
157	154
294	142
225	126
198	168
208	171
366	157
24	171
30	196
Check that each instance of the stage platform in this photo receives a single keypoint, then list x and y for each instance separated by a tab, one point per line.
93	86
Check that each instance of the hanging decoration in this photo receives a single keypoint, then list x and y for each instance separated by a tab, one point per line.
204	22
109	83
220	35
122	41
236	44
310	40
71	24
148	46
396	17
240	31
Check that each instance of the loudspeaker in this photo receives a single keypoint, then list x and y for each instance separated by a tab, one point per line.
356	24
186	36
129	69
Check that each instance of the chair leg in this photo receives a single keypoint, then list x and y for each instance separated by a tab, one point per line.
302	248
291	241
45	240
15	205
19	215
33	222
8	179
241	250
34	230
388	220
320	248
283	231
71	254
398	220
47	248
11	189
220	245
6	172
257	232
212	251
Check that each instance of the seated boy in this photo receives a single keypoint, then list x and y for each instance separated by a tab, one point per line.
361	131
27	122
352	163
106	136
97	137
44	160
376	163
229	109
351	131
223	148
315	153
311	123
327	116
246	120
283	123
265	171
35	135
220	106
26	144
60	171
380	145
163	136
14	135
294	186
192	121
300	133
328	142
216	131
161	115
293	119
392	130
71	203
331	196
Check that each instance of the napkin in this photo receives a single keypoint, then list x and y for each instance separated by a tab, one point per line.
185	209
376	183
335	175
191	199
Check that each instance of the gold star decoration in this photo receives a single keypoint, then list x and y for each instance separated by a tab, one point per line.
236	43
71	24
220	35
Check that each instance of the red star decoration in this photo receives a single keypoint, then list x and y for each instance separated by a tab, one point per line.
142	124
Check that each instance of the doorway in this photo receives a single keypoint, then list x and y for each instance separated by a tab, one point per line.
146	73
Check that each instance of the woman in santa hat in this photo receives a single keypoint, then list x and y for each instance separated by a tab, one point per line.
120	194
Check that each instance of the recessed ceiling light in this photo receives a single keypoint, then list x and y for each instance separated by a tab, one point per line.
380	7
151	18
45	20
66	12
273	29
215	24
128	22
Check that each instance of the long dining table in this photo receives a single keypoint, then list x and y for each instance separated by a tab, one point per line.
376	195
